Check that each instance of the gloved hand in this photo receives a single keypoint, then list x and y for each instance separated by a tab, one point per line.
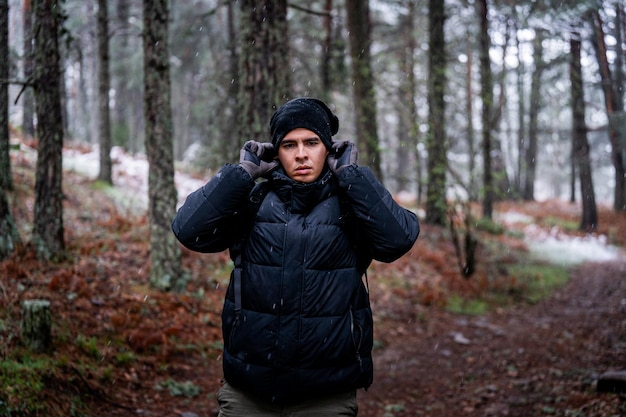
257	158
341	155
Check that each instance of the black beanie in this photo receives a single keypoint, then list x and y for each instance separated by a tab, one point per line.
307	113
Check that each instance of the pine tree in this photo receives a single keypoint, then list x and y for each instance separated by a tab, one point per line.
165	254
48	233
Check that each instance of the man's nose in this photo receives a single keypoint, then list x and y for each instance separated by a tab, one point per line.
301	154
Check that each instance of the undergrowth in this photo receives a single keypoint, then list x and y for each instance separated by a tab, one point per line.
36	385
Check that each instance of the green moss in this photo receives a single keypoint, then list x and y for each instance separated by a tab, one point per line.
89	346
177	389
538	281
568	225
125	358
21	384
489	226
457	304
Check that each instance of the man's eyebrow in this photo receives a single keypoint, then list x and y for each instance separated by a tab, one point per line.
290	140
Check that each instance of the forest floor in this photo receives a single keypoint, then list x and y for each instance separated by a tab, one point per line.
521	337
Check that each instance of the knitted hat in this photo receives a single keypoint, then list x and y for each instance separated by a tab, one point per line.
307	113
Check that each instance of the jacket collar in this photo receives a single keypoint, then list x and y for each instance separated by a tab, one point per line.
302	197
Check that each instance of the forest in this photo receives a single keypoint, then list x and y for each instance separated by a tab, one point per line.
500	123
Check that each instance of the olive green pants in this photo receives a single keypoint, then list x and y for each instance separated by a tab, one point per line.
234	403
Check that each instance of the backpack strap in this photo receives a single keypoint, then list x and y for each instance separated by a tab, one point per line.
255	199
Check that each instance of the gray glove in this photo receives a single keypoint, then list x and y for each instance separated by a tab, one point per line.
257	158
341	155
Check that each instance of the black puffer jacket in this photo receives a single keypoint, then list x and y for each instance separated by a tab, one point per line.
305	325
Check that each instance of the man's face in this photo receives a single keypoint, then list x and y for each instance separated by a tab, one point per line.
302	154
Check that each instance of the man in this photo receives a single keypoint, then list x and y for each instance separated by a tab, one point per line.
296	322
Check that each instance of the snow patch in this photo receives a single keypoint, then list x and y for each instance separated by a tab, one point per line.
130	175
557	247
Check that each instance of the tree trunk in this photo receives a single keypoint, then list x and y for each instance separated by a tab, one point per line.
572	176
36	325
104	123
165	254
231	147
406	165
28	102
501	183
264	66
412	113
486	95
48	234
127	125
327	50
6	179
363	92
589	220
469	110
436	207
620	20
613	109
620	116
520	178
9	235
533	118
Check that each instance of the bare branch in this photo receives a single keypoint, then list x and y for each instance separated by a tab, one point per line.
24	83
310	11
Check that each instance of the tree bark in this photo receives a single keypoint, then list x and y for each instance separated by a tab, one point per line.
264	66
486	95
413	139
405	167
619	57
501	183
36	325
9	235
589	220
533	119
364	95
165	255
520	177
6	179
436	206
620	84
613	111
125	129
469	110
231	147
104	121
48	234
327	50
28	103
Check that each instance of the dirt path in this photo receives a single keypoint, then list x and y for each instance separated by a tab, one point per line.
528	361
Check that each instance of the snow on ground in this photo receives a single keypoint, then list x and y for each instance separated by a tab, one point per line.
130	174
555	246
